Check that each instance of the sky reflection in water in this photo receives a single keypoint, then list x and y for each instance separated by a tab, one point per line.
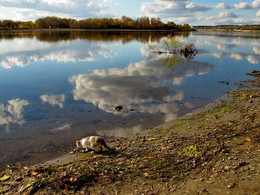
73	81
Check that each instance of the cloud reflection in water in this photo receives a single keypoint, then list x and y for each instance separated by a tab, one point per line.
229	46
61	52
54	100
12	112
144	86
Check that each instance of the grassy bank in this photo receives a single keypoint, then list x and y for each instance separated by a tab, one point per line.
211	152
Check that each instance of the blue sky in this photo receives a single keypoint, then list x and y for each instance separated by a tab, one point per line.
193	12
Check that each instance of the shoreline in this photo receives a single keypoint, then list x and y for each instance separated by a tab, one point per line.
227	30
214	151
70	157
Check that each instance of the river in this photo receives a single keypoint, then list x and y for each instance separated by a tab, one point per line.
58	86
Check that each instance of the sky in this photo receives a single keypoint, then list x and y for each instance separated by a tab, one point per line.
193	12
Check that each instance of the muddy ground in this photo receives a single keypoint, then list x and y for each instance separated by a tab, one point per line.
211	152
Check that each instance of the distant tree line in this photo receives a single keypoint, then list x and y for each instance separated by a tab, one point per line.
125	22
56	36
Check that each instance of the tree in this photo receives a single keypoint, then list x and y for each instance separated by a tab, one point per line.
40	23
54	22
68	23
127	22
9	24
156	23
26	25
95	23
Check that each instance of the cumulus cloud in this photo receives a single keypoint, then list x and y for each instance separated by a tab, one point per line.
20	56
137	86
60	3
196	7
223	6
245	5
253	59
61	128
256	4
228	15
170	8
237	56
242	5
229	21
26	14
179	11
227	47
12	112
256	50
54	100
184	11
61	8
258	13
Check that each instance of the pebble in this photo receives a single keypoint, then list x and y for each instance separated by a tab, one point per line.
227	167
231	185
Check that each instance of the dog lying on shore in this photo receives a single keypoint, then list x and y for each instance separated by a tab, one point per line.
92	143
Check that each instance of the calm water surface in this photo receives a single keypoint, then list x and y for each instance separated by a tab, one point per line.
56	87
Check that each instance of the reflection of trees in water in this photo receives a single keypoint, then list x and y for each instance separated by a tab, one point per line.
170	61
60	35
172	51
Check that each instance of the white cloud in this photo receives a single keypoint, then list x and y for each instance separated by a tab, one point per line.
242	5
223	6
179	11
253	59
54	100
136	86
228	15
167	8
256	50
15	107
237	56
228	21
26	14
256	4
192	13
59	3
31	1
62	128
190	6
182	20
196	8
225	47
258	13
12	112
12	61
15	54
32	9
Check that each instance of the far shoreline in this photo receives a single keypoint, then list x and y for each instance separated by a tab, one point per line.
96	29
